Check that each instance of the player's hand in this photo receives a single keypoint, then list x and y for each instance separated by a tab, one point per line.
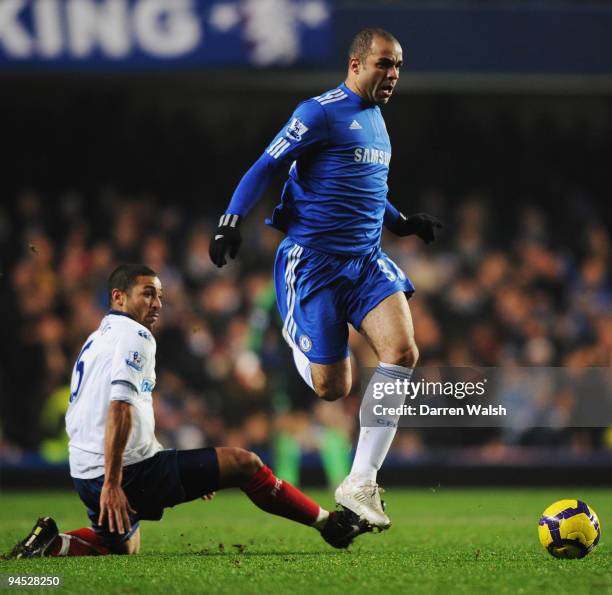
421	225
227	239
209	496
115	508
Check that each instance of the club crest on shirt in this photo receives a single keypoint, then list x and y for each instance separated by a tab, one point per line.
135	360
296	129
305	343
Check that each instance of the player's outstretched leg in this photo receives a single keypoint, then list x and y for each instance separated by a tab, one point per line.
359	491
46	540
243	469
388	329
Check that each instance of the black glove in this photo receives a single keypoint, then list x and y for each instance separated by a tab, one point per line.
421	224
227	239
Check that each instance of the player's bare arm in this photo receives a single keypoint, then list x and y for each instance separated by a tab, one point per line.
114	505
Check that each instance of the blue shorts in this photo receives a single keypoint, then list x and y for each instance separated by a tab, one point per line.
318	294
166	479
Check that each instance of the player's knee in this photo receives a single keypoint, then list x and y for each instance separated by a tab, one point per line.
406	355
246	463
332	391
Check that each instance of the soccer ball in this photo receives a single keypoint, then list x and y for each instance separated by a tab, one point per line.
569	529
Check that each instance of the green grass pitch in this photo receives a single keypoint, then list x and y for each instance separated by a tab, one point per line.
448	541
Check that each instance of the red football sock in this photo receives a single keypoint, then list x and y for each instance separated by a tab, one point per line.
279	497
80	542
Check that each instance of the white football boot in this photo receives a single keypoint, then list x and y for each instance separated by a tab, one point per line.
363	498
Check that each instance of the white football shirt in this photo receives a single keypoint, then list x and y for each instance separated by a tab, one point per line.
116	363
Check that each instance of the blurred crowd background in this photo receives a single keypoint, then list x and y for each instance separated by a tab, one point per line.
520	275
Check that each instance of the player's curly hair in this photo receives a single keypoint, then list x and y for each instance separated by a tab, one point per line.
361	45
124	277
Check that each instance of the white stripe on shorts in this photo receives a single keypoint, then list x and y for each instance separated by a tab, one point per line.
289	325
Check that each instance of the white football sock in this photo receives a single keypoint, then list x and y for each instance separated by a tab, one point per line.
374	442
303	365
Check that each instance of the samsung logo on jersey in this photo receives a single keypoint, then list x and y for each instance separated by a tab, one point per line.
367	155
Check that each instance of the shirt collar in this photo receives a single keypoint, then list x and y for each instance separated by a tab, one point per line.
354	97
119	313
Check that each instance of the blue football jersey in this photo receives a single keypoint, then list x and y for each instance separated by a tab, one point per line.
334	199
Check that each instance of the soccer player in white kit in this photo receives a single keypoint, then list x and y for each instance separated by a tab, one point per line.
120	471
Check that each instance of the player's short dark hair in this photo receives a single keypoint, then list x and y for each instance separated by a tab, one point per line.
124	277
361	45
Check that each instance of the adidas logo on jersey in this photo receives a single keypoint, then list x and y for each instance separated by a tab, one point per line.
355	125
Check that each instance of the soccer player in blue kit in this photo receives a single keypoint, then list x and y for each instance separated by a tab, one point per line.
330	269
